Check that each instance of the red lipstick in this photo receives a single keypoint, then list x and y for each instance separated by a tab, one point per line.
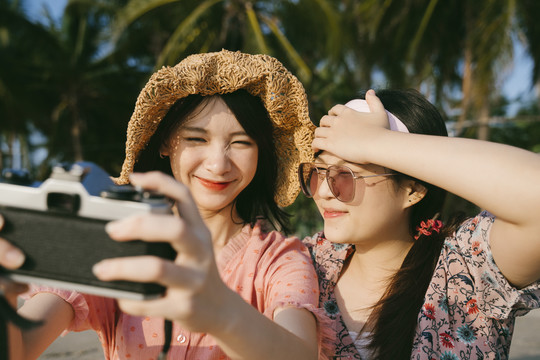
213	185
331	213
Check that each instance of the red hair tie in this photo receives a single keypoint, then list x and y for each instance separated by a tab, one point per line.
427	227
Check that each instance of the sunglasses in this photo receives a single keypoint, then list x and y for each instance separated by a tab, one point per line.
341	180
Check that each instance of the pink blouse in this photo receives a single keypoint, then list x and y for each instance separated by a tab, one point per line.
266	270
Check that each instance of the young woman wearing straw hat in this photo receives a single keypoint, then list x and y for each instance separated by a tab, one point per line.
397	283
229	129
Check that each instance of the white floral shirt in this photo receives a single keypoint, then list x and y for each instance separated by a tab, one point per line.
469	308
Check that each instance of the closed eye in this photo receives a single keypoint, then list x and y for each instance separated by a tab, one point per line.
195	139
243	142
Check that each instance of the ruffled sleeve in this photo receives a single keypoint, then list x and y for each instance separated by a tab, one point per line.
291	281
495	296
91	312
270	272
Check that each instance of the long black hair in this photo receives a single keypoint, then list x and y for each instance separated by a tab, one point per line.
394	317
257	199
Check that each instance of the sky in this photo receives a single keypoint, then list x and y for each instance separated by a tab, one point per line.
517	84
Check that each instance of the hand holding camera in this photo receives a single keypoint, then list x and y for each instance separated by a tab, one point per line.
196	295
10	258
60	227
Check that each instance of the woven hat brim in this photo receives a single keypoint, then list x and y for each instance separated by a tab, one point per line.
222	72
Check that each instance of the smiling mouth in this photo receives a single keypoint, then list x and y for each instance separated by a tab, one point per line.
213	185
329	214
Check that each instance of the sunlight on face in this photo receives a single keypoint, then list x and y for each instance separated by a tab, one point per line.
374	210
213	155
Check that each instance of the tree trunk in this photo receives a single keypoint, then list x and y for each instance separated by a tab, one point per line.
466	82
9	157
466	85
25	152
76	134
483	121
1	154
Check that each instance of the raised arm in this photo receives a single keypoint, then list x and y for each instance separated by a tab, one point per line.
501	179
196	296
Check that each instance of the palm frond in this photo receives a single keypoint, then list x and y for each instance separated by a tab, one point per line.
180	35
304	72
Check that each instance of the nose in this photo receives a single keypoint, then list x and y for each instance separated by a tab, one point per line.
323	190
217	160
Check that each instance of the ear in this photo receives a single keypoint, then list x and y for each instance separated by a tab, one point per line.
164	150
415	193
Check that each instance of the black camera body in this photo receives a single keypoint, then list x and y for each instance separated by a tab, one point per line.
60	226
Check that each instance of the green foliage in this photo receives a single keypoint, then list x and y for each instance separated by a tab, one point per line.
306	219
76	80
523	133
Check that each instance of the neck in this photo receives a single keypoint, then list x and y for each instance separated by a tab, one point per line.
365	277
379	261
381	256
222	226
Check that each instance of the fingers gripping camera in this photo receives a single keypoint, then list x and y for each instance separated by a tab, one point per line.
60	226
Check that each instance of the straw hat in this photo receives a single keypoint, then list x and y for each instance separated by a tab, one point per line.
222	72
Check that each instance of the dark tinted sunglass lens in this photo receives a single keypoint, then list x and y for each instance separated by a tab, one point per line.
313	180
342	183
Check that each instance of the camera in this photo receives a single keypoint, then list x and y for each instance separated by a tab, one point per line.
60	226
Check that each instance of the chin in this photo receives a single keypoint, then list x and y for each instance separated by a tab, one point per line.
212	203
336	235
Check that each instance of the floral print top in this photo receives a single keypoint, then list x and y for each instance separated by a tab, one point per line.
469	307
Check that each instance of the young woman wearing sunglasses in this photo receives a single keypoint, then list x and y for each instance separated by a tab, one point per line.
397	282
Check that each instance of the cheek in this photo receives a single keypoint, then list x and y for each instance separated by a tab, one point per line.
317	200
249	173
359	192
175	155
247	161
184	162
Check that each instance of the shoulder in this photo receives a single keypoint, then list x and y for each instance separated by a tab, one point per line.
471	238
467	269
318	244
476	228
275	242
328	258
271	246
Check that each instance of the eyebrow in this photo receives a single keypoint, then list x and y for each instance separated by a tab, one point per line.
204	131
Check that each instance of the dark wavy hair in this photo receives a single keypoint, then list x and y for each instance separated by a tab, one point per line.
394	318
256	201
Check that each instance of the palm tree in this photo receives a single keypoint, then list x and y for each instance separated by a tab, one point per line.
91	90
21	43
425	43
488	49
530	31
210	25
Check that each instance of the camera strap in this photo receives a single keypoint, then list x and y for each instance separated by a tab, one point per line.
167	328
8	314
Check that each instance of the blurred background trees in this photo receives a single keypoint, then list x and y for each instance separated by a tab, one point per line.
68	85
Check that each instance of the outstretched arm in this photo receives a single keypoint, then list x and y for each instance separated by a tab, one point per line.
196	296
501	179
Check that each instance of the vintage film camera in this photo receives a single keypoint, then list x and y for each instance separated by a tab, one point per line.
60	226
